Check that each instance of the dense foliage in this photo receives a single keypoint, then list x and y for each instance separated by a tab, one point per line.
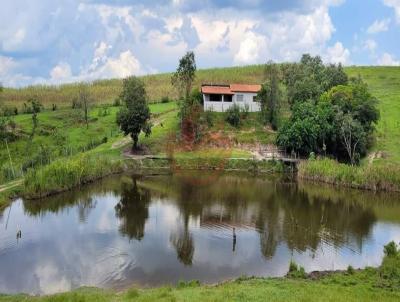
330	114
308	79
134	116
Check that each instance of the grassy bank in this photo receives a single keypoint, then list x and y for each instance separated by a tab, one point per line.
65	174
370	284
369	177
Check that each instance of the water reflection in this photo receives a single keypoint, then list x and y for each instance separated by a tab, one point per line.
160	229
132	209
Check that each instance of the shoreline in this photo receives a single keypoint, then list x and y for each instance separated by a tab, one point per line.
255	166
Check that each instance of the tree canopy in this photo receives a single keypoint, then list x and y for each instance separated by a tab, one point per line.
185	74
331	115
134	116
308	79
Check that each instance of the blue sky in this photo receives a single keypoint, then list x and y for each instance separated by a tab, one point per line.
53	42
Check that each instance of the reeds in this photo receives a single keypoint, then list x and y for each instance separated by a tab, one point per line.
385	177
65	174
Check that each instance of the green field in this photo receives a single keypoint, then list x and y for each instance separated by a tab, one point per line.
384	83
364	285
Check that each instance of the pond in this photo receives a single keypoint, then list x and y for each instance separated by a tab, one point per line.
159	229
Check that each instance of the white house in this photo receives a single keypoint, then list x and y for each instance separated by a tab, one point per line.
220	97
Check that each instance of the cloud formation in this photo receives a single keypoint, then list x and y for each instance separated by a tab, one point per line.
61	41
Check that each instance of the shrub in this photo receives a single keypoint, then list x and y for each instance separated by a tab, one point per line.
391	250
209	117
296	271
389	271
232	115
350	270
9	111
117	102
165	99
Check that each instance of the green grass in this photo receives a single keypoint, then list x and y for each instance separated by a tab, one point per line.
370	284
63	133
384	83
371	177
65	174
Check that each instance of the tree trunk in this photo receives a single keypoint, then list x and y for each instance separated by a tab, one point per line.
135	139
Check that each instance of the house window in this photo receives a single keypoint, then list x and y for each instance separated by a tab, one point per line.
239	97
215	98
227	98
255	99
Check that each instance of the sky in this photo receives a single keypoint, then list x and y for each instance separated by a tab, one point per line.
55	42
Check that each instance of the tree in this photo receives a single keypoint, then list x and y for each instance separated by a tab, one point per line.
310	78
134	116
270	95
353	137
185	74
85	102
35	108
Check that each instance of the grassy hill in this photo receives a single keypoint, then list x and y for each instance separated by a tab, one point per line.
106	91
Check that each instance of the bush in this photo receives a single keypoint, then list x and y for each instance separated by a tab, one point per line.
391	250
232	115
117	102
389	271
296	271
350	270
9	111
165	99
54	107
209	118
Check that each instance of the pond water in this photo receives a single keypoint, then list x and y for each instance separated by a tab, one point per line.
156	230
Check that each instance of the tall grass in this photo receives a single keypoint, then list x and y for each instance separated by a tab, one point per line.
370	177
106	91
64	174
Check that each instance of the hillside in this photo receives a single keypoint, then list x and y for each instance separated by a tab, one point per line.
106	91
384	83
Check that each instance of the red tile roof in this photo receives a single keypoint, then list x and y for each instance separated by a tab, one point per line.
216	90
245	88
210	89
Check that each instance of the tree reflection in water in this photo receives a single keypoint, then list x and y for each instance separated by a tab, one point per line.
133	209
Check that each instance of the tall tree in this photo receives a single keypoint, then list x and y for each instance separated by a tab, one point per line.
270	95
353	137
85	102
35	108
185	74
134	116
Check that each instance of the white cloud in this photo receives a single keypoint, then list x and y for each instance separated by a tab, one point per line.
250	49
395	4
337	54
388	60
61	72
6	65
378	26
370	45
